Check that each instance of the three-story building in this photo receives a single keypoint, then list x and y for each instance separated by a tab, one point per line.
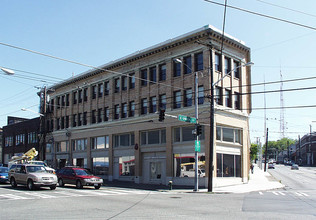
105	118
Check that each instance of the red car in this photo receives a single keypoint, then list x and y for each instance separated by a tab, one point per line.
79	177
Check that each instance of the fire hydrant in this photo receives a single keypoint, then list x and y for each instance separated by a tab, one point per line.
170	185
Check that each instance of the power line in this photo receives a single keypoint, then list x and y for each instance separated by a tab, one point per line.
263	15
290	9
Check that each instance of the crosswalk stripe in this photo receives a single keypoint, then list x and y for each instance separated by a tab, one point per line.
261	193
275	193
44	196
11	196
68	194
299	194
282	193
304	194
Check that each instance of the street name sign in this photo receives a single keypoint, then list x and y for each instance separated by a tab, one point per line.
187	119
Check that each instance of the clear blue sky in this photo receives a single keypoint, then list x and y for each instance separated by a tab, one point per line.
99	31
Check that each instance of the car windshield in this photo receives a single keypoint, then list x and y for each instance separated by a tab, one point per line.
3	169
83	173
35	169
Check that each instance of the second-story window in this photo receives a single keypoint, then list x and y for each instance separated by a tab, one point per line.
177	99
201	95
117	85
85	120
144	79
144	106
74	120
153	105
116	111
237	103
188	98
124	110
99	115
228	98
131	80
63	101
106	113
153	74
163	101
93	117
218	95
131	109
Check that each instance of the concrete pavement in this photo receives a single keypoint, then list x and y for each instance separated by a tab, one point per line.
258	181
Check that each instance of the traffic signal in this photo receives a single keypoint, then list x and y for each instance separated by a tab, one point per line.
198	129
161	114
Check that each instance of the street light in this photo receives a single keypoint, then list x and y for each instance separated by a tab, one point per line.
7	71
210	176
196	181
29	110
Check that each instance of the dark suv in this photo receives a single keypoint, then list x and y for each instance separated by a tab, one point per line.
79	177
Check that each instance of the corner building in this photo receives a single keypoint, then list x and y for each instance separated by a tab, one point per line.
105	118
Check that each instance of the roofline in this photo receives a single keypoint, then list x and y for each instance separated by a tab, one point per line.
207	29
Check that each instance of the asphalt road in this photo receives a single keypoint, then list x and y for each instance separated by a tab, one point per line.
296	201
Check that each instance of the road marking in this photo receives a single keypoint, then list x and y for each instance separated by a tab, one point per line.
304	194
13	197
44	196
299	194
68	194
275	193
261	193
282	193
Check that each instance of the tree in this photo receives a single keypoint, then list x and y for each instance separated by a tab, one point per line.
253	151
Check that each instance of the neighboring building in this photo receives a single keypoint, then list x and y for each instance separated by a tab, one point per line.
305	153
20	137
1	144
106	121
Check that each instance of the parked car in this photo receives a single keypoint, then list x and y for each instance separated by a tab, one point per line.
271	166
79	177
4	175
31	175
294	167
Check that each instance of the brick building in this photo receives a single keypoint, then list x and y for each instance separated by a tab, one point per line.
105	119
19	136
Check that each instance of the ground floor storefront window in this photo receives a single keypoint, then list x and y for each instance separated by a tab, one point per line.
184	165
228	165
127	166
100	166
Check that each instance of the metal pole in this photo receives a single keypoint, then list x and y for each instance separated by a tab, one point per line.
210	175
266	153
196	178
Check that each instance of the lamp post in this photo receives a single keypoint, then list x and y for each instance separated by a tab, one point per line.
210	176
196	82
7	71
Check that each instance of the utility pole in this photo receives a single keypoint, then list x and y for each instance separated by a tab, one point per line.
43	100
196	177
266	153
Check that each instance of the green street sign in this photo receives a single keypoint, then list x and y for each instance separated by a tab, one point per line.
187	119
198	146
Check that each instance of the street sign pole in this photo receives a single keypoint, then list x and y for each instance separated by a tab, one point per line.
196	179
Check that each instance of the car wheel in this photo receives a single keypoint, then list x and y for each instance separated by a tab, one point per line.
30	184
53	187
61	182
97	186
78	184
13	182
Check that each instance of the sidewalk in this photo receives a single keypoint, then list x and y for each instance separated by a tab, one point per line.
258	181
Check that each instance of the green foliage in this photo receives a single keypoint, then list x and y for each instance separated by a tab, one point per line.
253	151
279	145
